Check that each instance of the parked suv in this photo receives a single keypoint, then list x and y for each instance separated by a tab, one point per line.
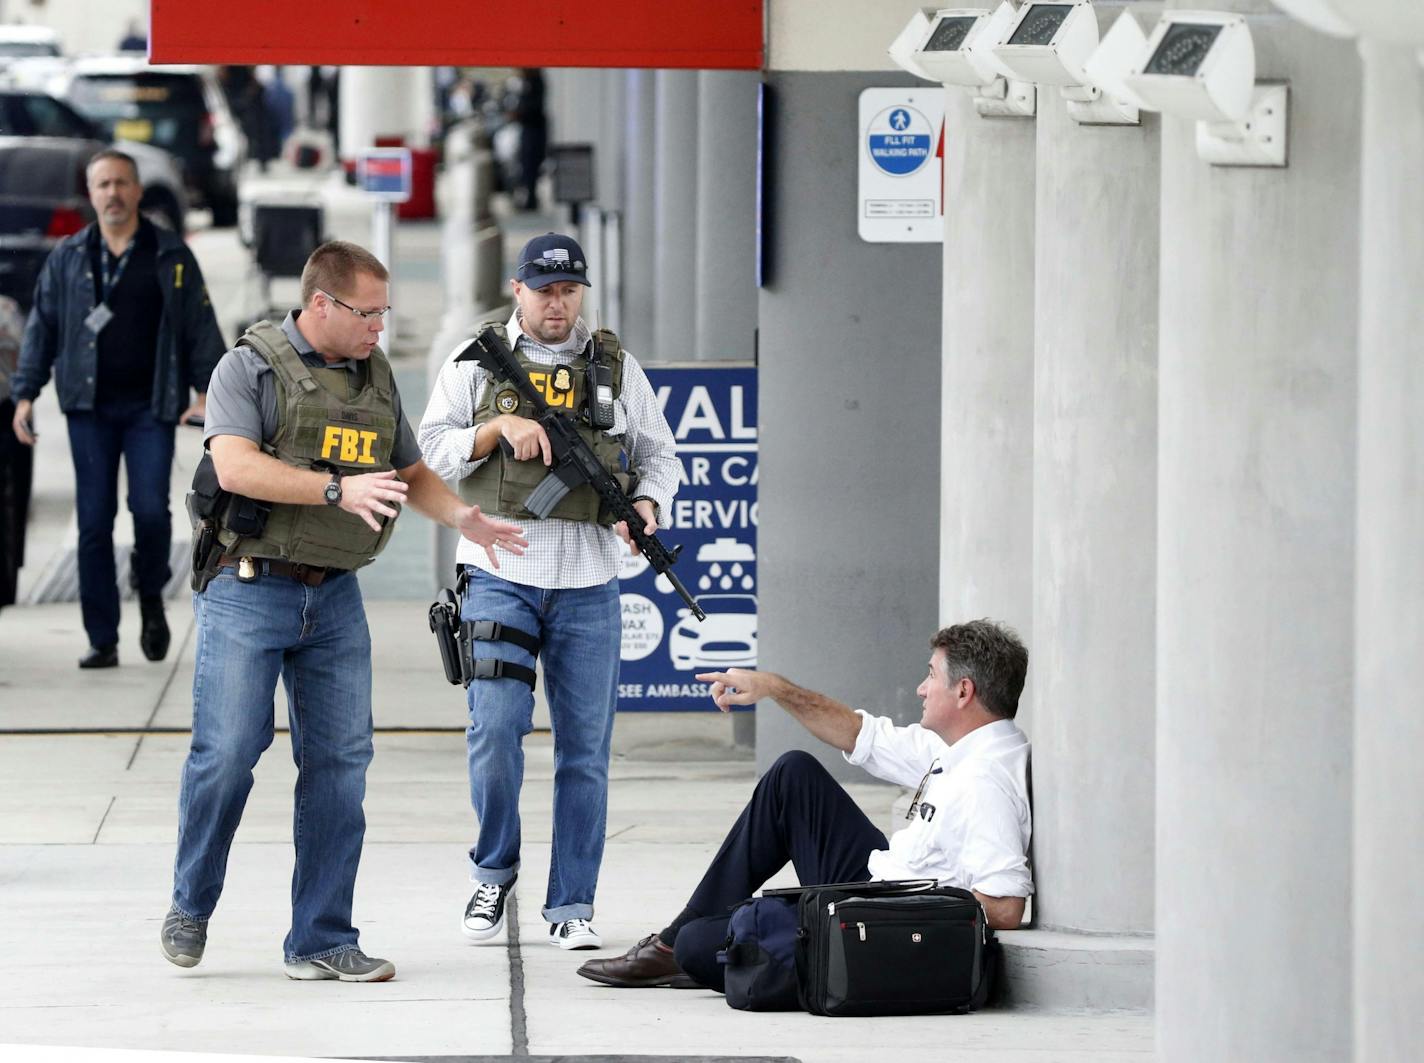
36	114
178	108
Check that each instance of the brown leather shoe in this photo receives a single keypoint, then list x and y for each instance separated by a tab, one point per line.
647	965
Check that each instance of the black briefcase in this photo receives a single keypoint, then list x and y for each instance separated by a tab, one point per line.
893	948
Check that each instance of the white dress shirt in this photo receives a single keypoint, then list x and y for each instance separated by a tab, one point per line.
561	553
972	822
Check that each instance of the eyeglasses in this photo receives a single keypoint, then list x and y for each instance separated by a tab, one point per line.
364	315
935	769
552	265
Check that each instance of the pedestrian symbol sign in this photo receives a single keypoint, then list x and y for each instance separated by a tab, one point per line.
901	141
901	166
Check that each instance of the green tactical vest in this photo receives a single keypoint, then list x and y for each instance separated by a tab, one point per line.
319	420
500	484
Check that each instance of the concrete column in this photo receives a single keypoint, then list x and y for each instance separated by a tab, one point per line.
380	101
1094	520
609	154
675	216
557	92
638	223
421	101
986	397
726	215
1389	594
1256	519
578	98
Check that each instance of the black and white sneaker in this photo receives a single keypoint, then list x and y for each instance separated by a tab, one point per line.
574	934
484	915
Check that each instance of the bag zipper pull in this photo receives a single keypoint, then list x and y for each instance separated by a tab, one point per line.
861	928
831	908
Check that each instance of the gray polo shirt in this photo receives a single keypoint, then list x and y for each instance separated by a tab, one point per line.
242	396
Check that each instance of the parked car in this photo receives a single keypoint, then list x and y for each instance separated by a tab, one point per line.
27	42
178	108
43	199
37	114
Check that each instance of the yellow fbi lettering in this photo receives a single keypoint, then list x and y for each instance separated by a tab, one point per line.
548	385
349	445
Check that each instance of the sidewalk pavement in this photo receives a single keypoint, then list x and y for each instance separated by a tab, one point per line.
88	821
87	826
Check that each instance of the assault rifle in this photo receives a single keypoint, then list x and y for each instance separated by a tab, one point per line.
574	461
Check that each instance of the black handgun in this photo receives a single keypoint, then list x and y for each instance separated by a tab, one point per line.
574	462
445	623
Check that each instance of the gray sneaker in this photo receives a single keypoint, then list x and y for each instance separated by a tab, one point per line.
182	939
352	965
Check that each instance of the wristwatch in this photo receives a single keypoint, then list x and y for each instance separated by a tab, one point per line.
332	490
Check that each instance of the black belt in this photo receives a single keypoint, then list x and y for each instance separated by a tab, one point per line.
311	575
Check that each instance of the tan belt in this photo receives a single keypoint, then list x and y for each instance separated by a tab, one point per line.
311	575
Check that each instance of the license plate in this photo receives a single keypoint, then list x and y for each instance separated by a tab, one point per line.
140	129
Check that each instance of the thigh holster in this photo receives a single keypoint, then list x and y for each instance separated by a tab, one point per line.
473	667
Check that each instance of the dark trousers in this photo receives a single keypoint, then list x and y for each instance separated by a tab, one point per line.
97	439
16	468
798	813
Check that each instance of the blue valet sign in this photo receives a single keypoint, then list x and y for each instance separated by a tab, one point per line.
712	411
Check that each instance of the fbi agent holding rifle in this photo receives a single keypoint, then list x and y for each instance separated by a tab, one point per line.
535	419
309	459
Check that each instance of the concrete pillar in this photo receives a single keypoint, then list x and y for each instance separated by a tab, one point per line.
675	216
1256	519
422	118
557	93
609	154
726	318
1094	519
1389	594
986	397
578	97
382	101
638	223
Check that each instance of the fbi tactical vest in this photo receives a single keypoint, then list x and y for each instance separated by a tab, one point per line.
318	419
500	484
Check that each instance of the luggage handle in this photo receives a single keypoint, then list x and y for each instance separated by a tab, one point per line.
906	885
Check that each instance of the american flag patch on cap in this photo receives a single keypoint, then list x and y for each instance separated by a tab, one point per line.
558	254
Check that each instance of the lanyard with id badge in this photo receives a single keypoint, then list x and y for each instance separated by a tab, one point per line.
110	274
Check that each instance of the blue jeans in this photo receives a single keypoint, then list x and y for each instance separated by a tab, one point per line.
97	439
316	639
581	634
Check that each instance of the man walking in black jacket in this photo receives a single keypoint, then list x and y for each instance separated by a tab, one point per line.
122	320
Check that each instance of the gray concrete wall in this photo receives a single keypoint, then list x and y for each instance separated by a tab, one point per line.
726	313
1094	519
1259	278
847	540
1389	595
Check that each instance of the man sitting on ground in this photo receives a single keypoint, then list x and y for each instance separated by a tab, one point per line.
969	820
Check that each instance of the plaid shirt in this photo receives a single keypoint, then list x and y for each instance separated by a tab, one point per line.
562	553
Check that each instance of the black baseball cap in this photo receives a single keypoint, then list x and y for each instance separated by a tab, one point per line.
551	258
